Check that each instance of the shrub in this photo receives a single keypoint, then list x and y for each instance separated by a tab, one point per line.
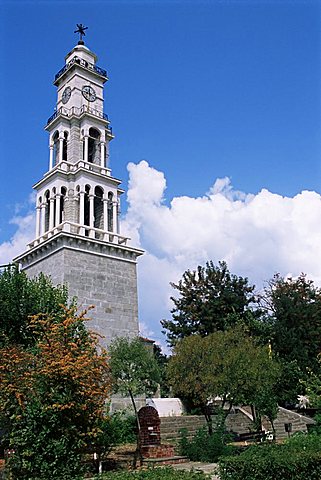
161	473
204	447
52	398
298	458
121	428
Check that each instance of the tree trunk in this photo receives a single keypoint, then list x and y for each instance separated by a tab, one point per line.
253	413
138	452
208	419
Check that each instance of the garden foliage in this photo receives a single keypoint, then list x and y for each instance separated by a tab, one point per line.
154	474
228	364
120	428
134	371
21	297
204	447
210	299
52	397
297	459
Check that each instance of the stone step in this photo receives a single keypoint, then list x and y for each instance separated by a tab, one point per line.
171	428
152	462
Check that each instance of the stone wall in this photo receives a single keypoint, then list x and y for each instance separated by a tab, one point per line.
299	423
52	266
237	422
74	144
171	426
108	283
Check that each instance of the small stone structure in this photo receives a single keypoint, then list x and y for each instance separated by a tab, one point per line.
150	438
149	426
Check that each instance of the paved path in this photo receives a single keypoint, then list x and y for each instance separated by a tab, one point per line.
209	468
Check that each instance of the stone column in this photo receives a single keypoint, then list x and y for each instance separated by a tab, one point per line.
107	155
102	154
86	148
51	213
51	150
58	196
38	210
71	211
43	218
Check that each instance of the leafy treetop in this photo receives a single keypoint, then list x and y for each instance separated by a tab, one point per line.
134	369
295	316
210	299
227	364
21	297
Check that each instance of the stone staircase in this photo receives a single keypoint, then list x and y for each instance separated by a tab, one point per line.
239	421
299	423
170	427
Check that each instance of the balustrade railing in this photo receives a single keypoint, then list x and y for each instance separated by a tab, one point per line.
83	63
82	230
77	112
65	166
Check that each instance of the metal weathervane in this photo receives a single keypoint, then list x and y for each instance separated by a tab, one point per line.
81	31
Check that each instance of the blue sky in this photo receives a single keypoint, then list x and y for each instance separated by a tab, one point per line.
200	89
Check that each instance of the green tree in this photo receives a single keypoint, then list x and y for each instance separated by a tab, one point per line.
227	364
52	397
134	371
189	372
162	361
210	299
21	297
294	306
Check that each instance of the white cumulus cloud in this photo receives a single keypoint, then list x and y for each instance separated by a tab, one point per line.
257	235
25	232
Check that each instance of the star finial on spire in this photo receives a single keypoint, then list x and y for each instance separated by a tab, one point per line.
81	31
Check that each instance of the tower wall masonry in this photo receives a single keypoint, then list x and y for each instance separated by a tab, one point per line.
107	283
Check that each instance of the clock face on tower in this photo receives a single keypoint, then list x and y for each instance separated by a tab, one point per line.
89	93
66	95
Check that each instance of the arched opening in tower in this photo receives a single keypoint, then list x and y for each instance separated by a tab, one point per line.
110	211
65	147
87	208
98	208
56	145
62	205
47	214
93	146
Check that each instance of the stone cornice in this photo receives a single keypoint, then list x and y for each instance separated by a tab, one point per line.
70	241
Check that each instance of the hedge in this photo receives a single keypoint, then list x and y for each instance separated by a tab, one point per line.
157	473
297	459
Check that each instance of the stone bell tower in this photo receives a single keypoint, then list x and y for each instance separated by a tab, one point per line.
78	239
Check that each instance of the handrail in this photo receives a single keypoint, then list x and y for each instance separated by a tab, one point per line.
65	166
83	63
94	233
68	112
